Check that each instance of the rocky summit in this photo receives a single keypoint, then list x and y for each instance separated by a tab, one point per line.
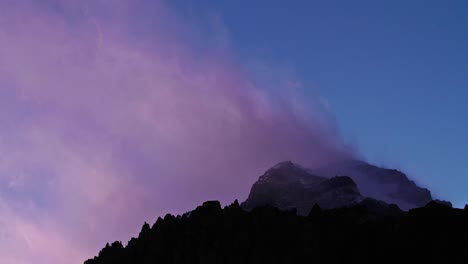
289	186
388	185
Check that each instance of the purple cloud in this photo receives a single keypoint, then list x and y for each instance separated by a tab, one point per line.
111	115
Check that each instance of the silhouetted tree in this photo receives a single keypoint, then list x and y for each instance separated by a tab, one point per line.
369	232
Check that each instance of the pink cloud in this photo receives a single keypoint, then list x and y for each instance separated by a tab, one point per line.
111	117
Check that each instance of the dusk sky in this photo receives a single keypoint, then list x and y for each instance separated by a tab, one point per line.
116	112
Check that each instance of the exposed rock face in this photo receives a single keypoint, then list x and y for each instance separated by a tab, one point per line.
288	186
446	203
380	208
388	185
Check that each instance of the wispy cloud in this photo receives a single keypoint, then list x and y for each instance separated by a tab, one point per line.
112	114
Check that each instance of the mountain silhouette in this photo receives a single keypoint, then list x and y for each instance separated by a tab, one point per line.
298	215
368	232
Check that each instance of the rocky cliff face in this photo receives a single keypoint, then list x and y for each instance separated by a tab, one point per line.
388	185
289	186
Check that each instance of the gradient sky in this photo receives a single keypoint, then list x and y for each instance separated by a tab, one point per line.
116	112
394	73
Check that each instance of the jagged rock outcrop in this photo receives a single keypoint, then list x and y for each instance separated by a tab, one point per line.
288	186
446	203
388	185
380	208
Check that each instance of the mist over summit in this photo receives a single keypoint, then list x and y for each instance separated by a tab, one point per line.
290	186
386	184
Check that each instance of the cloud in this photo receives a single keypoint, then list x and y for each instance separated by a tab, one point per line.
116	112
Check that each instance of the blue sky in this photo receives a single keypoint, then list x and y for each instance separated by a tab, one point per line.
112	109
394	74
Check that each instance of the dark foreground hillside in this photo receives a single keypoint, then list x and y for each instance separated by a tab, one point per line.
371	232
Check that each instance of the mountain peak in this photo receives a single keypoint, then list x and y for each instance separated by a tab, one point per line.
389	185
288	185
